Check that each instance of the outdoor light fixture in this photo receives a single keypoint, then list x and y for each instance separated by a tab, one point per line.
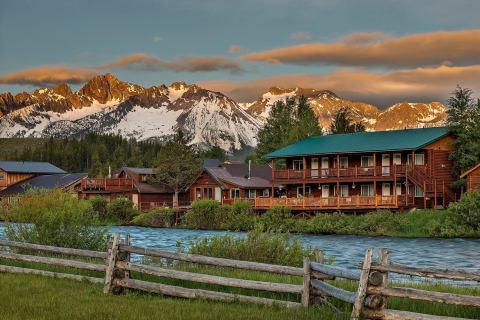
353	185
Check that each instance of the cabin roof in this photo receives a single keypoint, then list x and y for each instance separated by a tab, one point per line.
139	170
48	181
406	139
466	173
237	174
29	167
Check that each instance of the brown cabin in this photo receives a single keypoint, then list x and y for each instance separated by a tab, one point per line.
229	182
12	172
472	178
396	170
134	184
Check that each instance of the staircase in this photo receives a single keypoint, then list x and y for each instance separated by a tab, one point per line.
431	188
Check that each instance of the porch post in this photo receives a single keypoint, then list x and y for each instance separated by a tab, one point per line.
424	195
304	170
338	165
273	177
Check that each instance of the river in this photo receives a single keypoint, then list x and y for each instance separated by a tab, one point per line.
346	250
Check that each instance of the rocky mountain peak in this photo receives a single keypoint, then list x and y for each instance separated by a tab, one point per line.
63	89
105	88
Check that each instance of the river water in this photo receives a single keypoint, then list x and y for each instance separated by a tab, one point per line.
346	250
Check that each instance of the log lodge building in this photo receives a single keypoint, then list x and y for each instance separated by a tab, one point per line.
357	172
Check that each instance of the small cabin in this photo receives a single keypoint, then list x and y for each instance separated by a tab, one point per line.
472	178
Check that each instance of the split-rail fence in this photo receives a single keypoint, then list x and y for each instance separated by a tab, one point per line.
369	300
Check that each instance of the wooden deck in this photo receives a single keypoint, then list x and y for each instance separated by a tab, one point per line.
107	184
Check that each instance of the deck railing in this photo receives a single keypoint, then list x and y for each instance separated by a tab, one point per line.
349	172
312	203
107	184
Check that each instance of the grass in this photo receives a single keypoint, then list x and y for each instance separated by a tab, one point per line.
35	297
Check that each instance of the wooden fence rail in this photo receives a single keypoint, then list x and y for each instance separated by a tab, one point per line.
369	299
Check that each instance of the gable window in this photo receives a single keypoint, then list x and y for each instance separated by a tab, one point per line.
235	193
251	193
366	190
297	165
265	192
366	161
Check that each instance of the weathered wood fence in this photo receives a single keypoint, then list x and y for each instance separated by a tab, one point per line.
370	299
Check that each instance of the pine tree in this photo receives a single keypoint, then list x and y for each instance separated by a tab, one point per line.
343	123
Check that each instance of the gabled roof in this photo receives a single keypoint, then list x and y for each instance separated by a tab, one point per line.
29	167
237	174
208	163
49	181
470	170
407	139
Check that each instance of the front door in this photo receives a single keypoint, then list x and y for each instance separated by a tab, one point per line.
314	165
325	167
218	194
385	164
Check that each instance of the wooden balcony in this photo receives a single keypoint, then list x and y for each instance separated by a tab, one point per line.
107	184
326	203
353	173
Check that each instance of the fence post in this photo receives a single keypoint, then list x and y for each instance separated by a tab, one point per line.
111	261
376	304
306	282
362	285
127	242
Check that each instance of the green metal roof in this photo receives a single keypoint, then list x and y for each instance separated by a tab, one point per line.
406	139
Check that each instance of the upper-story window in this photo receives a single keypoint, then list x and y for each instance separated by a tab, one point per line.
397	158
297	165
419	159
366	161
2	176
343	162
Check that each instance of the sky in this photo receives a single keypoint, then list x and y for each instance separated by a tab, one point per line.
377	51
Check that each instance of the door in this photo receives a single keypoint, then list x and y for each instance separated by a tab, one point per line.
218	194
385	164
386	193
325	167
314	167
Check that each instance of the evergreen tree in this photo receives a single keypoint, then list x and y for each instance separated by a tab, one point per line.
288	122
464	123
177	164
343	123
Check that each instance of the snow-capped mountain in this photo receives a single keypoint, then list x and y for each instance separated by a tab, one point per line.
108	105
326	103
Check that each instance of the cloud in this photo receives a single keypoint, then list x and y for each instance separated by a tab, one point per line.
48	75
362	37
156	39
382	88
427	49
234	48
141	61
300	36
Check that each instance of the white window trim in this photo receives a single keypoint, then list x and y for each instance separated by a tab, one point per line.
305	194
369	161
370	190
344	187
233	191
300	162
397	156
266	193
249	193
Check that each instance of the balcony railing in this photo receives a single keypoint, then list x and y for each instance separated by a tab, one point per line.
350	172
107	184
318	203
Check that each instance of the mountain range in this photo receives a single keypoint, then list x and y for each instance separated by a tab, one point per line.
106	104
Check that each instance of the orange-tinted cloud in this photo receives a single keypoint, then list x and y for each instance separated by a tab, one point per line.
418	50
186	64
235	48
300	36
383	88
48	75
362	37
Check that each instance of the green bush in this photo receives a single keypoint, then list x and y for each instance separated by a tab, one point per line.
121	210
160	217
467	210
267	247
99	207
242	216
202	215
56	218
277	218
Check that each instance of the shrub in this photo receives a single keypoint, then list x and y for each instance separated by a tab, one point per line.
202	215
160	217
277	218
467	209
99	207
241	216
121	210
56	218
267	247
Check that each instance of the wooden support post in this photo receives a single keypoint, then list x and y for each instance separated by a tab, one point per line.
424	195
111	261
443	193
362	286
306	282
338	165
374	164
435	193
304	170
273	178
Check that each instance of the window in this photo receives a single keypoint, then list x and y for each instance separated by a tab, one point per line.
366	190
308	192
344	190
251	193
399	188
397	158
343	163
366	161
143	178
265	192
418	191
297	165
2	176
234	193
419	159
198	193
